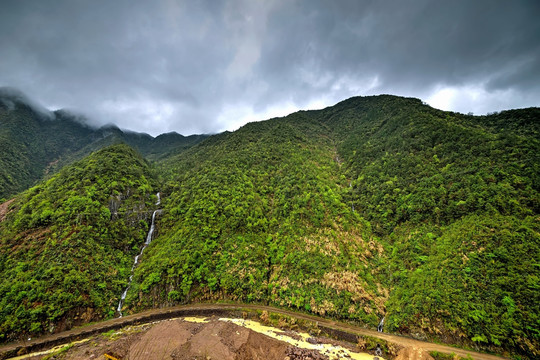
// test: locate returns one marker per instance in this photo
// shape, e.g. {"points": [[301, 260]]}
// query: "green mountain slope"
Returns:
{"points": [[67, 245], [412, 163], [274, 213], [35, 143], [30, 142], [457, 199], [377, 206], [152, 149], [257, 215]]}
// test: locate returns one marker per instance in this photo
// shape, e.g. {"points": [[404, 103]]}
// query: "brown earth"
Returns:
{"points": [[182, 340], [332, 328], [4, 209], [413, 353]]}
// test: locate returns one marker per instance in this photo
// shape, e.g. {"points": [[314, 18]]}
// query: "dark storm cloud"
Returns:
{"points": [[206, 66], [410, 47]]}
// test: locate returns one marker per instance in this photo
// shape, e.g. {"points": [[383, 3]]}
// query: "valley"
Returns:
{"points": [[377, 207]]}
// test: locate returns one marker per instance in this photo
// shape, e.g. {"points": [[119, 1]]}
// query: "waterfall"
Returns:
{"points": [[136, 261], [381, 324], [158, 199], [352, 204]]}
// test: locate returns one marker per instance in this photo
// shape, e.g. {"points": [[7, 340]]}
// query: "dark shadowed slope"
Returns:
{"points": [[35, 143]]}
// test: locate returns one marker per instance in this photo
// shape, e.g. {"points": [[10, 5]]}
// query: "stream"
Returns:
{"points": [[381, 325], [146, 243]]}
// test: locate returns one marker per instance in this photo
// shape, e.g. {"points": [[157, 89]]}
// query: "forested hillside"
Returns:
{"points": [[456, 198], [67, 245], [258, 215], [377, 206], [31, 142]]}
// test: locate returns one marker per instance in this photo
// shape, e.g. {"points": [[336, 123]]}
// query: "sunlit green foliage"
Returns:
{"points": [[67, 246]]}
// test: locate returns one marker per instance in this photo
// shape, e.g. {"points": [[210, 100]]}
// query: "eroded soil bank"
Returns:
{"points": [[201, 338], [393, 347]]}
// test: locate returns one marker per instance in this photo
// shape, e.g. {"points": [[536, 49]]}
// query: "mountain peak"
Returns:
{"points": [[11, 97]]}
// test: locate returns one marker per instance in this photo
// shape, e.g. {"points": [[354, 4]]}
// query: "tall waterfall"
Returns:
{"points": [[146, 243], [381, 325]]}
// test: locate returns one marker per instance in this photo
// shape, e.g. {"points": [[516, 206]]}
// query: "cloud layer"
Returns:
{"points": [[208, 66]]}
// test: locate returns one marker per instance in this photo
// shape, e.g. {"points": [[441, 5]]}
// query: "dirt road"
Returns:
{"points": [[345, 331]]}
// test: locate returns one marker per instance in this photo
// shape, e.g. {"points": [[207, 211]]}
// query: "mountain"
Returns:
{"points": [[258, 215], [67, 244], [376, 207], [35, 142], [456, 199]]}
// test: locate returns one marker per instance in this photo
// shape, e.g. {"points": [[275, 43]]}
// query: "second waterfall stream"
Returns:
{"points": [[146, 243]]}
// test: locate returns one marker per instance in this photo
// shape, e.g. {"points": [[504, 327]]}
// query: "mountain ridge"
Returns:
{"points": [[36, 141]]}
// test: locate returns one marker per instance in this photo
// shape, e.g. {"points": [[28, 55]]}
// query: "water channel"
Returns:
{"points": [[146, 243]]}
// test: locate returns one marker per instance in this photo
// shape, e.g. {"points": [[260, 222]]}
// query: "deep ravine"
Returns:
{"points": [[136, 261]]}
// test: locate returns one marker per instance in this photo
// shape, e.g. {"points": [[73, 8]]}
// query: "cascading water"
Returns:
{"points": [[146, 243], [381, 325], [352, 204]]}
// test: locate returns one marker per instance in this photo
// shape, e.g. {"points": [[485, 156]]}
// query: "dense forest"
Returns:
{"points": [[267, 224], [456, 199], [68, 244], [377, 206]]}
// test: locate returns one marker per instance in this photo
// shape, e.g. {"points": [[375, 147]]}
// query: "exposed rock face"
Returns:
{"points": [[4, 209], [294, 353]]}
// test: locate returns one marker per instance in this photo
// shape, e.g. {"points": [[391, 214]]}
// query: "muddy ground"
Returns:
{"points": [[181, 339], [402, 347]]}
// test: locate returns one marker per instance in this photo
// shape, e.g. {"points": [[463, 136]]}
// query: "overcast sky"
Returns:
{"points": [[208, 66]]}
